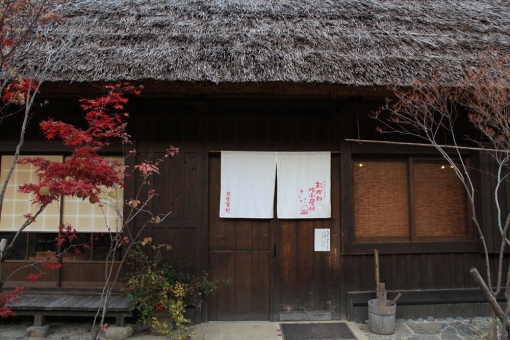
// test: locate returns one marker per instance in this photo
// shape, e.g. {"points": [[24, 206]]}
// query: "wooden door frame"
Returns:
{"points": [[274, 268], [274, 283]]}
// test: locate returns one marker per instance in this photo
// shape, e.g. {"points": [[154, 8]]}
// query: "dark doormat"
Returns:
{"points": [[316, 331]]}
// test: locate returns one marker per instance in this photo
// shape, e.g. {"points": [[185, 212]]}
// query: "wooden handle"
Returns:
{"points": [[396, 299]]}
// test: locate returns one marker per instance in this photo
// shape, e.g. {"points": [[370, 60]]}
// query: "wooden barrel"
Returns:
{"points": [[381, 323]]}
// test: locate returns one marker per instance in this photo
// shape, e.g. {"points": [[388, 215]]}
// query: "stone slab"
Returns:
{"points": [[119, 333], [38, 332], [431, 328]]}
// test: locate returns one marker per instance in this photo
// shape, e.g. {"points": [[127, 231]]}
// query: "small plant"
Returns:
{"points": [[160, 292]]}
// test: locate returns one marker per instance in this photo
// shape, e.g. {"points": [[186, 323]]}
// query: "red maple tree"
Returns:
{"points": [[7, 298], [83, 174]]}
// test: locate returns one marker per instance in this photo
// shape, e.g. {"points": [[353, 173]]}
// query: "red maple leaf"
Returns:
{"points": [[51, 265], [33, 277]]}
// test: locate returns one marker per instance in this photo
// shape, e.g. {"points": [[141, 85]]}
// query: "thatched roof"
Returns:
{"points": [[349, 42]]}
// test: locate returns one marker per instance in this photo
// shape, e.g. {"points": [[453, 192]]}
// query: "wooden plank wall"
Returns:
{"points": [[89, 274], [418, 272], [176, 195], [18, 270]]}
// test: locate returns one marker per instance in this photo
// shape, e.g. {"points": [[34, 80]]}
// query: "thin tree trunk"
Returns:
{"points": [[490, 298], [16, 155], [3, 245]]}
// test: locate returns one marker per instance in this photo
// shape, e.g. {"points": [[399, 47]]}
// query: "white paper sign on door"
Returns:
{"points": [[322, 240]]}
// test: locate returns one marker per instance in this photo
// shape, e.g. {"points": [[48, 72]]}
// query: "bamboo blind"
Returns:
{"points": [[381, 204], [440, 200]]}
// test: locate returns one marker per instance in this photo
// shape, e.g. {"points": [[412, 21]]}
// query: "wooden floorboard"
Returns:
{"points": [[93, 304], [35, 302], [124, 304], [55, 303], [82, 303], [69, 303], [114, 303]]}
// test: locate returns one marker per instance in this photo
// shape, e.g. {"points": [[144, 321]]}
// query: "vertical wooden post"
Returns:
{"points": [[376, 259], [347, 221], [274, 264], [203, 197], [382, 298]]}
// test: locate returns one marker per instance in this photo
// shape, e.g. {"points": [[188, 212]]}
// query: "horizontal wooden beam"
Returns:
{"points": [[273, 146], [276, 89], [429, 145], [219, 151], [428, 247], [69, 291], [425, 297], [401, 149], [68, 313], [49, 147]]}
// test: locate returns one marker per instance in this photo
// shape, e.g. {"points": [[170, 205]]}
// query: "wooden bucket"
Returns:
{"points": [[381, 323]]}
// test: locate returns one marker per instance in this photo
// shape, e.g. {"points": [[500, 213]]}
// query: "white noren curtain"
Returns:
{"points": [[304, 185], [247, 184]]}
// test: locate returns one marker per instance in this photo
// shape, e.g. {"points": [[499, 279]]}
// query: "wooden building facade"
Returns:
{"points": [[274, 272], [282, 76]]}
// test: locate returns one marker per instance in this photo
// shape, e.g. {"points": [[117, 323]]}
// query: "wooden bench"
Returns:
{"points": [[42, 305]]}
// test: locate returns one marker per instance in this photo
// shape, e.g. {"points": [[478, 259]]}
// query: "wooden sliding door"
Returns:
{"points": [[273, 269], [239, 251]]}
